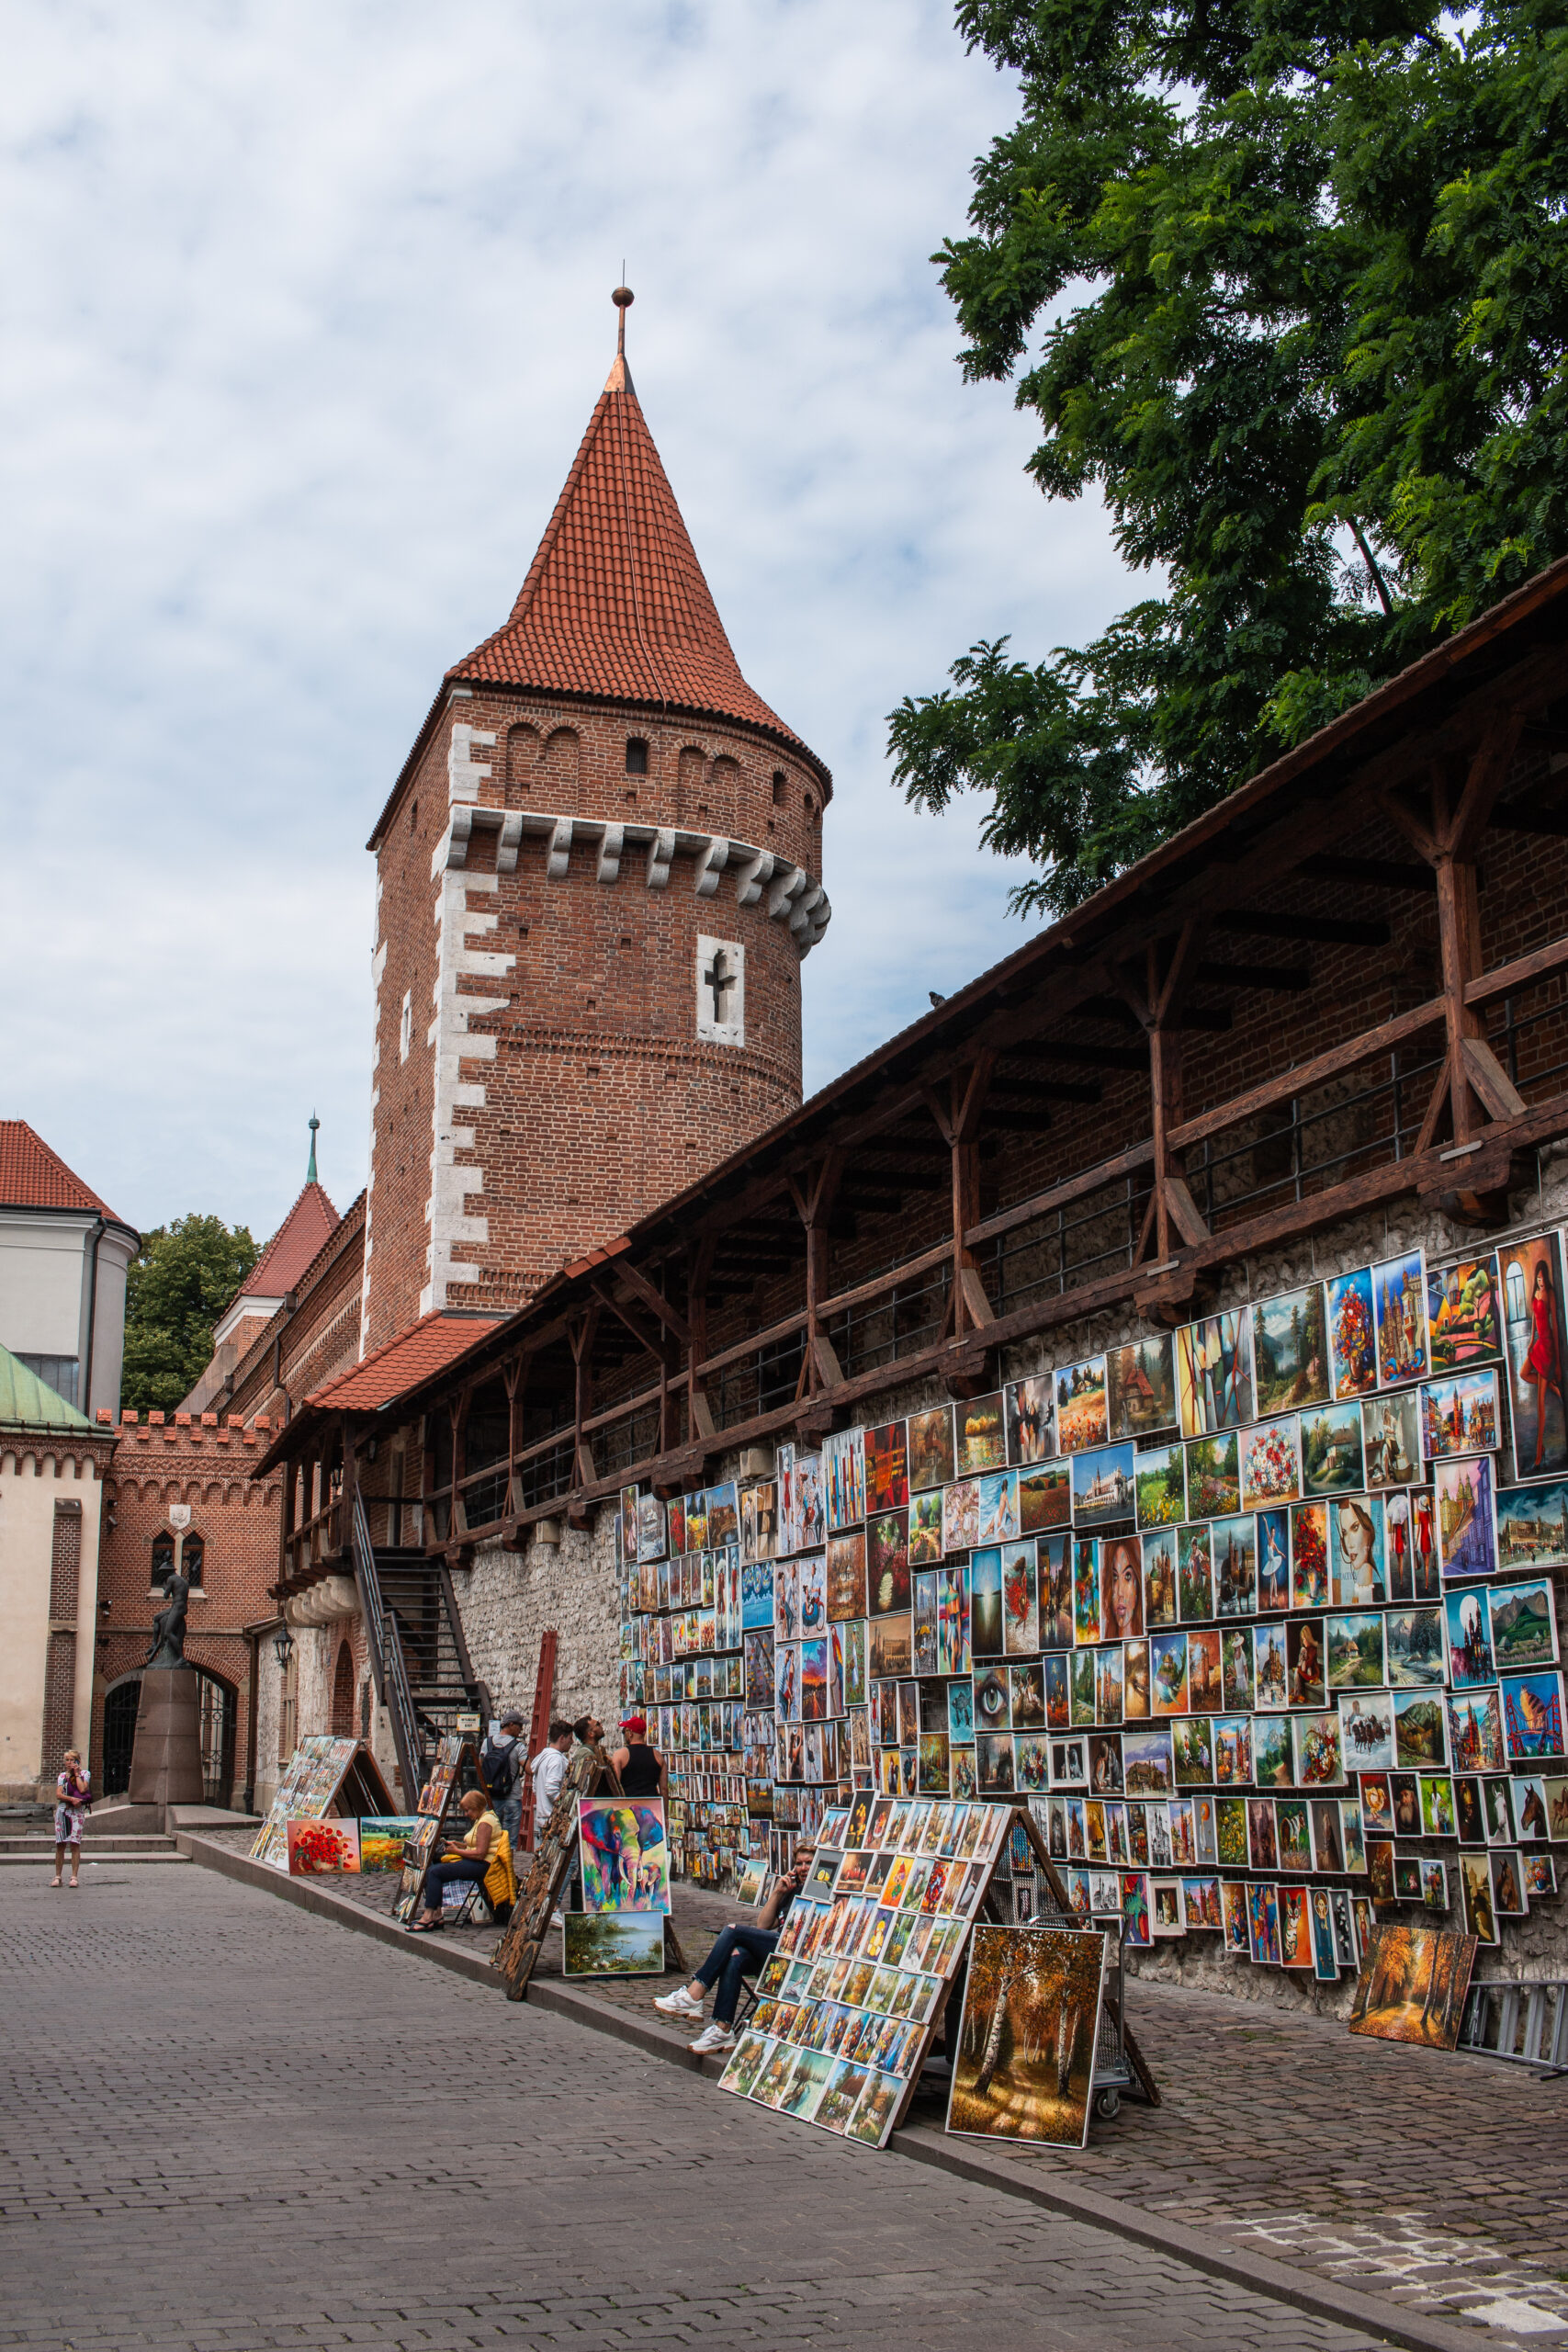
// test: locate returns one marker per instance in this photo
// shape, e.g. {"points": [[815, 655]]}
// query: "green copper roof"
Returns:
{"points": [[26, 1403]]}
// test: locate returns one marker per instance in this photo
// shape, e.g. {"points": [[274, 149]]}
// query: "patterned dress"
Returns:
{"points": [[72, 1798]]}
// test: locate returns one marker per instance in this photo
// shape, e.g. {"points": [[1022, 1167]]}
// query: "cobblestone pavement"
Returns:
{"points": [[229, 2124], [1432, 2180]]}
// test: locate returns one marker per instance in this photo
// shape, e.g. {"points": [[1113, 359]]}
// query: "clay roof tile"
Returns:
{"points": [[615, 602]]}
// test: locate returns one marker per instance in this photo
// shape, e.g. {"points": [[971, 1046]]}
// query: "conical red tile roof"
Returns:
{"points": [[615, 602]]}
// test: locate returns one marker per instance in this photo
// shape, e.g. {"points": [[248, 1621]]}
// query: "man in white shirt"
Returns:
{"points": [[548, 1770]]}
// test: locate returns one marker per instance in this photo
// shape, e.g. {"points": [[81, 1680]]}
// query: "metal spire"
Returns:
{"points": [[310, 1177]]}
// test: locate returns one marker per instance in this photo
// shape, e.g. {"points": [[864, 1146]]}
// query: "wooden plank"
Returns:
{"points": [[1520, 974], [1308, 1074], [1490, 1081], [539, 1894], [652, 1296], [1056, 1196]]}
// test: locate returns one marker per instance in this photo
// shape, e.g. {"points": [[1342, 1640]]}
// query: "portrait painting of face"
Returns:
{"points": [[1120, 1590]]}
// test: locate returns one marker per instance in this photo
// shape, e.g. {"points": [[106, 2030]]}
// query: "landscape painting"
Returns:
{"points": [[1413, 1986], [1024, 2069], [627, 1943], [1290, 1352]]}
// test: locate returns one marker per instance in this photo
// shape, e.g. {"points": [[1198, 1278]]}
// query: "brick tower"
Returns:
{"points": [[597, 877]]}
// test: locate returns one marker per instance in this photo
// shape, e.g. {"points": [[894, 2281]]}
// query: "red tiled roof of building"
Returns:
{"points": [[310, 1223], [33, 1177], [427, 1346], [615, 602]]}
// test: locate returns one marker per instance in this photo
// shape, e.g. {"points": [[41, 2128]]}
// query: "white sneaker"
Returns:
{"points": [[678, 2003], [717, 2039], [556, 1919]]}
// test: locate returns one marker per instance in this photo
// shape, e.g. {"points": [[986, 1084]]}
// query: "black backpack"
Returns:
{"points": [[500, 1766]]}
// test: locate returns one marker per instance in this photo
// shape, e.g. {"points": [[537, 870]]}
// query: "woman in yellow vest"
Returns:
{"points": [[484, 1854]]}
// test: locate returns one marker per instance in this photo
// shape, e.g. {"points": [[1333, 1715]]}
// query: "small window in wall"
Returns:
{"points": [[413, 816], [58, 1373], [163, 1556], [811, 810], [779, 781], [193, 1557], [405, 1026], [636, 755]]}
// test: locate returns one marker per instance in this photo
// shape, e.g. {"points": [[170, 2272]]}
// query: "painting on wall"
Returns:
{"points": [[1530, 1281]]}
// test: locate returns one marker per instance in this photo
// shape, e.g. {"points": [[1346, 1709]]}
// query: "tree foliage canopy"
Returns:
{"points": [[1301, 276], [176, 1287]]}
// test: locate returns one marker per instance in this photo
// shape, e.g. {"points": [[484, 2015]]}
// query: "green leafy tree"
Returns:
{"points": [[1297, 276], [177, 1285]]}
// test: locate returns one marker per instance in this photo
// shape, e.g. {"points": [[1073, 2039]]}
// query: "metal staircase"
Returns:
{"points": [[424, 1677]]}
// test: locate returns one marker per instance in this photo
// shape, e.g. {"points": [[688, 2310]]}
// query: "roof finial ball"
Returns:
{"points": [[623, 299]]}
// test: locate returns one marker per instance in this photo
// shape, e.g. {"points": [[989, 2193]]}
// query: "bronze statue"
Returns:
{"points": [[169, 1623]]}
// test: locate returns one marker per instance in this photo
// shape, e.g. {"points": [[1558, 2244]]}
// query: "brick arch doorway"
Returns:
{"points": [[343, 1691]]}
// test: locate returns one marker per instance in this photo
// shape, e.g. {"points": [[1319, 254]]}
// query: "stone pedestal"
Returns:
{"points": [[166, 1762]]}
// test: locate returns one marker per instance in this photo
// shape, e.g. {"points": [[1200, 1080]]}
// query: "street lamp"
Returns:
{"points": [[283, 1647]]}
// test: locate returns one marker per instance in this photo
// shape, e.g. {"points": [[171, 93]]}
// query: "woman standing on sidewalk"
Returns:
{"points": [[74, 1798]]}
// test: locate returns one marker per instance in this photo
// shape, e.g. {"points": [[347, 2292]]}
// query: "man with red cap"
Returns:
{"points": [[638, 1767]]}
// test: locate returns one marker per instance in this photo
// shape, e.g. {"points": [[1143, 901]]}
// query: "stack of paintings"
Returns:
{"points": [[850, 1997]]}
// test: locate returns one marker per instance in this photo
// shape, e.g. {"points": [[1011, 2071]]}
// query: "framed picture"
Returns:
{"points": [[1530, 1281], [1030, 1419], [1140, 1383], [1082, 1417], [1352, 1346], [1214, 1375], [1458, 1414], [1467, 1527], [1399, 1308], [1270, 1464], [929, 1441], [1290, 1352], [1463, 1323]]}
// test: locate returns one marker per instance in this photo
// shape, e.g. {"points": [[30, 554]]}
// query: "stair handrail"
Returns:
{"points": [[386, 1656]]}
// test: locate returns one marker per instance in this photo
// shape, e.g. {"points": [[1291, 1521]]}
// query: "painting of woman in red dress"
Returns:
{"points": [[1533, 1304]]}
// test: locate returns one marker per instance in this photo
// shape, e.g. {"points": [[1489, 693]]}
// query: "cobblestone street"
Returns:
{"points": [[1428, 2178], [229, 2124]]}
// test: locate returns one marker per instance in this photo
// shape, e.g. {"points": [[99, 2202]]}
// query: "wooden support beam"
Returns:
{"points": [[1331, 930], [653, 1298], [1371, 873], [1283, 979], [959, 1119]]}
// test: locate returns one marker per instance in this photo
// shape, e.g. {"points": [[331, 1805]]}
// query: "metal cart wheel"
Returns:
{"points": [[1108, 2105]]}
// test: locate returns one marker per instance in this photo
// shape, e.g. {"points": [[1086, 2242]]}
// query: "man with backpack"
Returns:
{"points": [[501, 1762]]}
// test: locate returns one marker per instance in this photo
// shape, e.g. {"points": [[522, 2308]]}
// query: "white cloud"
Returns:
{"points": [[307, 312]]}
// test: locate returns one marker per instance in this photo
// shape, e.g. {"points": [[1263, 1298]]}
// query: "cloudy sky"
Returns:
{"points": [[306, 310]]}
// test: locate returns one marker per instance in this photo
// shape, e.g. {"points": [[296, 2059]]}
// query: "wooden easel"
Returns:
{"points": [[989, 1904], [419, 1850]]}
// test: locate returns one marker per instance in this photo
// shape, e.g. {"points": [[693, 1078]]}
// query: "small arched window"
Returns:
{"points": [[193, 1557], [413, 816], [636, 755], [779, 782], [163, 1556]]}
